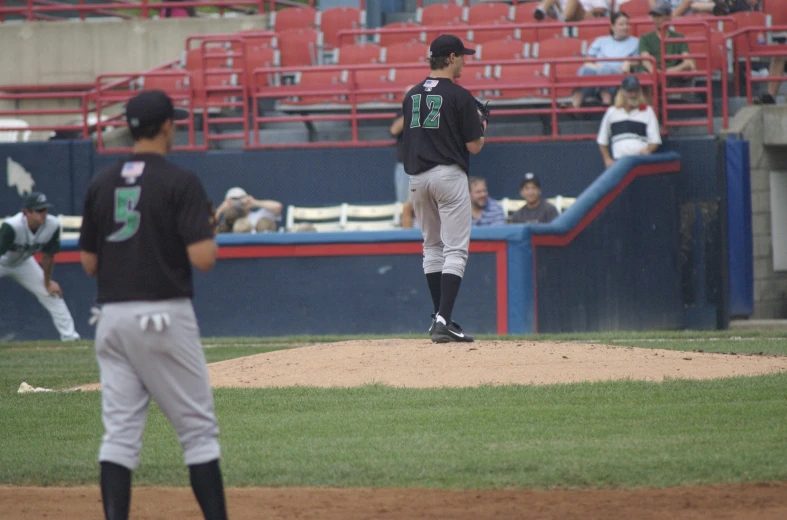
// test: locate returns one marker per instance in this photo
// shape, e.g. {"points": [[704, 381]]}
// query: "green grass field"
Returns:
{"points": [[616, 434]]}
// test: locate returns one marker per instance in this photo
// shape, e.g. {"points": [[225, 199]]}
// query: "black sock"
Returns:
{"points": [[433, 279], [115, 490], [209, 489], [450, 290]]}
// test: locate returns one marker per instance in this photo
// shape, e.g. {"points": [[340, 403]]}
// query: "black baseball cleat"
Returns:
{"points": [[431, 325], [449, 333]]}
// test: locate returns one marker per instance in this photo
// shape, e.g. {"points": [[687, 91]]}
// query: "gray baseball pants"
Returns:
{"points": [[153, 349], [441, 201]]}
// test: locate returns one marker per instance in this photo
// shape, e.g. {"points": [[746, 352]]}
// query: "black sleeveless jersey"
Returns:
{"points": [[440, 117], [139, 217]]}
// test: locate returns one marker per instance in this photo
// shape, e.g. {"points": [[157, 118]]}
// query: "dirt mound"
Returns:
{"points": [[415, 363]]}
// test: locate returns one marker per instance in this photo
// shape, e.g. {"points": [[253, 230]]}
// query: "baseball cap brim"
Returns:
{"points": [[40, 206], [179, 114], [469, 52]]}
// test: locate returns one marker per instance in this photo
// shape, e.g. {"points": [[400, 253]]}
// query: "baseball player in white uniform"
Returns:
{"points": [[28, 232]]}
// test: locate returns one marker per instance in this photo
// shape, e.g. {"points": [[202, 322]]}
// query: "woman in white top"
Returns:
{"points": [[618, 45]]}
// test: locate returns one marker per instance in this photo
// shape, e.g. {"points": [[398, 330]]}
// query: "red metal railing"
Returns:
{"points": [[350, 91], [747, 52]]}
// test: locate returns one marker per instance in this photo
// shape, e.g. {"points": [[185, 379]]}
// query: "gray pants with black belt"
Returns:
{"points": [[441, 201], [153, 349]]}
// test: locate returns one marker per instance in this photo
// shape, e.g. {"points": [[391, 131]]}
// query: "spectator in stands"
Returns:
{"points": [[535, 210], [178, 12], [677, 7], [777, 69], [630, 126], [248, 214], [570, 10], [486, 210], [618, 45], [650, 45]]}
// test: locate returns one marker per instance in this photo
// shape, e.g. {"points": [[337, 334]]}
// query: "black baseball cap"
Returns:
{"points": [[661, 10], [150, 108], [445, 44], [36, 201], [630, 83], [530, 177]]}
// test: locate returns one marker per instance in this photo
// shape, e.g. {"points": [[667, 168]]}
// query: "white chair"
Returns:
{"points": [[12, 129], [69, 226], [373, 217], [329, 218]]}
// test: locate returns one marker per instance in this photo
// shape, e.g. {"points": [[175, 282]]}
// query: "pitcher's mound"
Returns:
{"points": [[423, 364]]}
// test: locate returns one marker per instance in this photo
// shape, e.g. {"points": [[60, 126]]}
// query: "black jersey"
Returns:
{"points": [[440, 117], [139, 217]]}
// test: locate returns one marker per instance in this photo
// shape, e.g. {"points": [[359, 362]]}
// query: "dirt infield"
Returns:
{"points": [[756, 501], [421, 364]]}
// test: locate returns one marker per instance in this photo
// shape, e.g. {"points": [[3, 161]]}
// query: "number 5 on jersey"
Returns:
{"points": [[126, 200], [434, 102]]}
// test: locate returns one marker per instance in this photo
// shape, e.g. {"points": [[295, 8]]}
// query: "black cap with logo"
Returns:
{"points": [[531, 177], [630, 83], [447, 44], [36, 201], [152, 108]]}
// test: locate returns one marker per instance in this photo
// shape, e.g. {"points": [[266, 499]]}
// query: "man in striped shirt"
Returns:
{"points": [[630, 126], [486, 210]]}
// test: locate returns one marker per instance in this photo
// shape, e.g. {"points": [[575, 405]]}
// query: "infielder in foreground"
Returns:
{"points": [[25, 234], [145, 223], [443, 125]]}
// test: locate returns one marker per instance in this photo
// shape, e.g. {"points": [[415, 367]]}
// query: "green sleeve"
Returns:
{"points": [[7, 237], [53, 246]]}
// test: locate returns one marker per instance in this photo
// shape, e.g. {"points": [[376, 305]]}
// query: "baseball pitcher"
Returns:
{"points": [[31, 231]]}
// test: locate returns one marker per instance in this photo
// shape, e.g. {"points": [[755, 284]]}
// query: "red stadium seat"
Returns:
{"points": [[777, 10], [561, 48], [460, 31], [293, 18], [357, 54], [480, 36], [384, 39], [261, 57], [218, 58], [440, 14], [717, 50], [591, 30], [488, 12], [635, 8], [502, 50], [200, 81], [376, 78], [299, 47], [331, 21], [177, 83], [475, 76], [749, 19], [318, 81], [410, 52], [408, 77], [531, 76]]}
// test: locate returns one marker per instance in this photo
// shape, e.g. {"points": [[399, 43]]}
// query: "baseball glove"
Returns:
{"points": [[483, 112]]}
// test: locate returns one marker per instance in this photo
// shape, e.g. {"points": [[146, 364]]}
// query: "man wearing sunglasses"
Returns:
{"points": [[31, 231]]}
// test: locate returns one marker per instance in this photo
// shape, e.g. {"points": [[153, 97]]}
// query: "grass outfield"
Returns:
{"points": [[612, 434]]}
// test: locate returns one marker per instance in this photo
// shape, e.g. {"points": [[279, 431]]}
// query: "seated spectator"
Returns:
{"points": [[778, 68], [650, 45], [248, 214], [677, 7], [630, 125], [618, 45], [486, 210], [535, 210], [570, 10]]}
